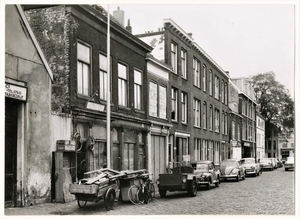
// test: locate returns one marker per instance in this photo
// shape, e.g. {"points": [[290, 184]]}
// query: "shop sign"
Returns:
{"points": [[15, 92], [247, 144], [233, 143], [95, 106]]}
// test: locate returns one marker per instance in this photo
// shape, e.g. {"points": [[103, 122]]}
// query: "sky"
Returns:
{"points": [[244, 39]]}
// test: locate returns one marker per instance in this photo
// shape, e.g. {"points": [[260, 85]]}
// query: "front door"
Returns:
{"points": [[11, 119], [158, 146]]}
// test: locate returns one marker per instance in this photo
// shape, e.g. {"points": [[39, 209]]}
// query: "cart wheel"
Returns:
{"points": [[81, 203], [109, 199]]}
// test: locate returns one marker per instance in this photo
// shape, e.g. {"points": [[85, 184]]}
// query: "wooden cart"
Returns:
{"points": [[100, 185]]}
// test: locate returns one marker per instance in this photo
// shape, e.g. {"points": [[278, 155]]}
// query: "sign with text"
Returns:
{"points": [[15, 92]]}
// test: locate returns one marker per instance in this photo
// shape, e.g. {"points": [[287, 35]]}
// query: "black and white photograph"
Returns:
{"points": [[150, 108]]}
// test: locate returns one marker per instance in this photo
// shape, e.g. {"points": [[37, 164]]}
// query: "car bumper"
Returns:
{"points": [[228, 176], [249, 172]]}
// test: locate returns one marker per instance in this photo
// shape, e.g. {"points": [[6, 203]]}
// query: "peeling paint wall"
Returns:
{"points": [[23, 64]]}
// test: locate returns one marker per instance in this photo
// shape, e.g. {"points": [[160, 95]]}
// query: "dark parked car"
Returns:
{"points": [[206, 173], [266, 163], [232, 169], [181, 178]]}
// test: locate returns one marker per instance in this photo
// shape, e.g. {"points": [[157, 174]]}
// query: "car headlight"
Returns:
{"points": [[234, 171], [184, 180]]}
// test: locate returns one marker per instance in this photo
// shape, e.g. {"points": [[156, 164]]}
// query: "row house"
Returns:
{"points": [[74, 38], [28, 80], [260, 136], [247, 109], [199, 96], [286, 146]]}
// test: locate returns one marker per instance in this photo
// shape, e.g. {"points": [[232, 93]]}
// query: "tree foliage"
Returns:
{"points": [[274, 100]]}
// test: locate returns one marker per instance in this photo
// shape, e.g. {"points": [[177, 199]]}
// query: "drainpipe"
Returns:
{"points": [[108, 91]]}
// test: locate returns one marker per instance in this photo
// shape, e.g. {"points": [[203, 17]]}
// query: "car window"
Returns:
{"points": [[229, 163], [249, 161], [201, 166]]}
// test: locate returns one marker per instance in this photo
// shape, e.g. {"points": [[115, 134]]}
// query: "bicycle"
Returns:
{"points": [[144, 192]]}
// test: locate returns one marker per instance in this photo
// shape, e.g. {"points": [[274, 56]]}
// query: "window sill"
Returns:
{"points": [[175, 121], [139, 111], [184, 123], [82, 96], [197, 127], [124, 108]]}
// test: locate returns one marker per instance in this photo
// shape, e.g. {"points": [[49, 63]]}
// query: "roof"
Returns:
{"points": [[35, 42]]}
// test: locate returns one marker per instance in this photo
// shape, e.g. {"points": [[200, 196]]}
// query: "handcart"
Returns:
{"points": [[97, 185]]}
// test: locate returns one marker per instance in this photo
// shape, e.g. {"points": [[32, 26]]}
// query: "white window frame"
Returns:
{"points": [[197, 112], [204, 77], [184, 107], [217, 87], [210, 82], [123, 86], [174, 99], [204, 115], [196, 71], [138, 83], [83, 69], [162, 99], [183, 55], [174, 57]]}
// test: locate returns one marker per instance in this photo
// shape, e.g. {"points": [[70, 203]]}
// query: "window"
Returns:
{"points": [[83, 69], [162, 102], [243, 131], [196, 69], [223, 123], [137, 90], [204, 150], [174, 97], [217, 120], [210, 81], [122, 84], [238, 132], [197, 119], [197, 147], [204, 78], [153, 99], [174, 57], [211, 118], [233, 130], [217, 92], [204, 115], [183, 64], [103, 87], [183, 107], [223, 92], [226, 124], [226, 93]]}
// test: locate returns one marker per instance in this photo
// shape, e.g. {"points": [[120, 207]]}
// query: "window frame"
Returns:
{"points": [[184, 107], [138, 105], [126, 93], [183, 61], [174, 54], [89, 67]]}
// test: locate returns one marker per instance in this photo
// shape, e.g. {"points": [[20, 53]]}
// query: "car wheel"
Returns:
{"points": [[217, 183], [162, 192], [192, 188]]}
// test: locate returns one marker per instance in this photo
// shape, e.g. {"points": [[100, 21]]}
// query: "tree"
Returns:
{"points": [[274, 101]]}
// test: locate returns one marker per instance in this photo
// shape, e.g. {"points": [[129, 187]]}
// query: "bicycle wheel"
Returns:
{"points": [[109, 199], [132, 194]]}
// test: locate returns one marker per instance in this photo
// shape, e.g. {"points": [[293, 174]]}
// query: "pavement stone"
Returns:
{"points": [[271, 193]]}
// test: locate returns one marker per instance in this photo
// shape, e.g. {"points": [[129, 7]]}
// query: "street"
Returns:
{"points": [[271, 193]]}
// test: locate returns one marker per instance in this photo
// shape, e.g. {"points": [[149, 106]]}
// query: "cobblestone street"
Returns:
{"points": [[272, 193]]}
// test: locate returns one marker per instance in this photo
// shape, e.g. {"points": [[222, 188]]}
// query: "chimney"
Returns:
{"points": [[227, 72], [128, 27], [190, 35], [119, 15]]}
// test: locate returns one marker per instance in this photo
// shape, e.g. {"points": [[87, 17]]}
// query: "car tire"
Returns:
{"points": [[192, 188], [162, 192]]}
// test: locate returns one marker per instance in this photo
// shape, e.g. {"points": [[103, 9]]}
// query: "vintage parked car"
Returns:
{"points": [[252, 167], [274, 160], [206, 173], [266, 163], [232, 169], [289, 163], [181, 178]]}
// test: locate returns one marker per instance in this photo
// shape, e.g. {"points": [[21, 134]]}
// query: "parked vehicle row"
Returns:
{"points": [[205, 173]]}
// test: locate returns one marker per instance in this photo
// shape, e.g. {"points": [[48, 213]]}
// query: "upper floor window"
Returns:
{"points": [[210, 83], [174, 57], [233, 130], [183, 64], [174, 99], [197, 116], [183, 107], [217, 91], [223, 91], [204, 78], [122, 85], [137, 89], [204, 115], [226, 93], [223, 123], [83, 69], [103, 87], [153, 99], [196, 69], [217, 120], [226, 124], [211, 118], [238, 132], [162, 102]]}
